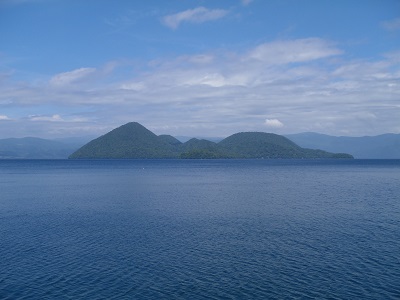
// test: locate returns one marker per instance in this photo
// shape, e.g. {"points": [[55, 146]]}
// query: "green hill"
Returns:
{"points": [[132, 140], [269, 145], [195, 148], [259, 145], [169, 139]]}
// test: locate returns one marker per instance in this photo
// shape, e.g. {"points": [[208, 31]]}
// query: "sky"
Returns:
{"points": [[204, 68]]}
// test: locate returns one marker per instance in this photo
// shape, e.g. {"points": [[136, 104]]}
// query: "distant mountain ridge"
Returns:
{"points": [[385, 146], [133, 140], [33, 148], [37, 148]]}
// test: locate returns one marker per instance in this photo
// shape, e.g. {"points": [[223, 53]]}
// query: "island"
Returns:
{"points": [[134, 141]]}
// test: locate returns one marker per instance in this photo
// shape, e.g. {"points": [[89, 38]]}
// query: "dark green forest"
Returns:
{"points": [[133, 140]]}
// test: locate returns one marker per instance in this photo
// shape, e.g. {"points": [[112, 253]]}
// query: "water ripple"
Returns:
{"points": [[200, 232]]}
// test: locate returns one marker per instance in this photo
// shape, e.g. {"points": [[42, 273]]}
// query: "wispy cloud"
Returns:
{"points": [[57, 118], [4, 118], [273, 86], [196, 15], [70, 77], [293, 51], [246, 2], [392, 25], [53, 118]]}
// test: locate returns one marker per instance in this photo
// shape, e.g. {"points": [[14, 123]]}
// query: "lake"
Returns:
{"points": [[199, 229]]}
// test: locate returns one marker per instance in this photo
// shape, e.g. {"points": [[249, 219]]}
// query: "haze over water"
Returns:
{"points": [[202, 229]]}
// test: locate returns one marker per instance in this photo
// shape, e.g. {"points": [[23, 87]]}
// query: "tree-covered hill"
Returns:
{"points": [[132, 140], [259, 145], [169, 139], [269, 145], [195, 148]]}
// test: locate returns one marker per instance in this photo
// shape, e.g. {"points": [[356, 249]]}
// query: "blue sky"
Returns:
{"points": [[199, 68]]}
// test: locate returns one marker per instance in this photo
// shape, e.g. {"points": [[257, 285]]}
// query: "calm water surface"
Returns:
{"points": [[204, 229]]}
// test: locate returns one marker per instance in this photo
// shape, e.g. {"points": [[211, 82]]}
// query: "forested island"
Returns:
{"points": [[133, 140]]}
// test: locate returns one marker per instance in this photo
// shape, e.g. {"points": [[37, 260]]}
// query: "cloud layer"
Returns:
{"points": [[196, 15], [283, 86]]}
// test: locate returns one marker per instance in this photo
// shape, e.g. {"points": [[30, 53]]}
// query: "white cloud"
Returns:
{"points": [[273, 123], [393, 56], [220, 93], [293, 51], [67, 78], [246, 2], [134, 86], [196, 15], [199, 59], [4, 118], [366, 70], [392, 25], [211, 79], [53, 118]]}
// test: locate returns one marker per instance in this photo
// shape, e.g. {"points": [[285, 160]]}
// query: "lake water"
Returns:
{"points": [[202, 229]]}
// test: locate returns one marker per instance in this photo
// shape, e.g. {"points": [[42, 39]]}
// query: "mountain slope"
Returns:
{"points": [[169, 139], [34, 148], [132, 140], [269, 145], [195, 148], [386, 146], [196, 144]]}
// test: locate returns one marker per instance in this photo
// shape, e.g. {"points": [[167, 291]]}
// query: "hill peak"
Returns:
{"points": [[132, 127], [133, 140]]}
